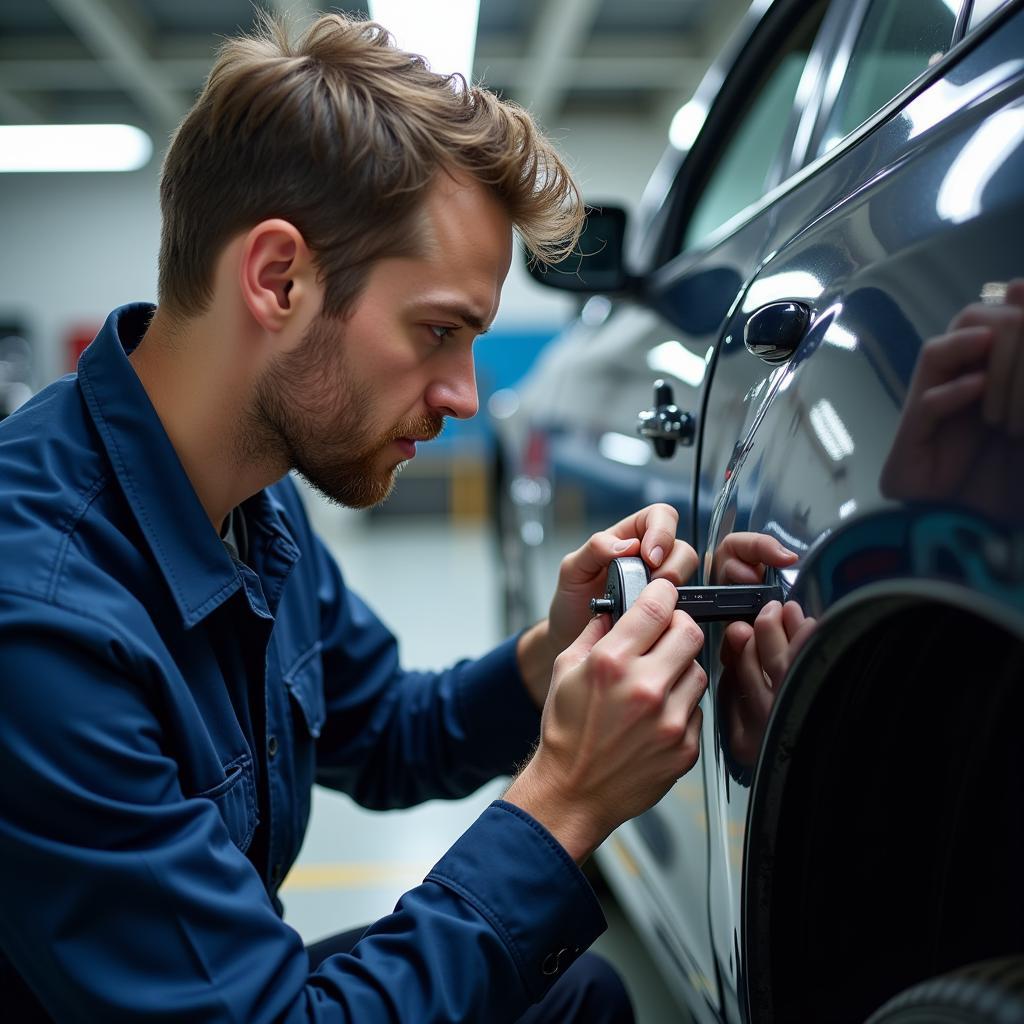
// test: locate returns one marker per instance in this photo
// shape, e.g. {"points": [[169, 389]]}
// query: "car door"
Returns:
{"points": [[743, 148], [910, 214]]}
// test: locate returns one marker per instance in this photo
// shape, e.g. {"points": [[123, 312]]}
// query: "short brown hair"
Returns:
{"points": [[340, 133]]}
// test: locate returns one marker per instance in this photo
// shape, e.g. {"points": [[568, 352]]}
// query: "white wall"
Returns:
{"points": [[74, 246]]}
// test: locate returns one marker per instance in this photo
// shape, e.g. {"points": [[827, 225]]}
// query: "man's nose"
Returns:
{"points": [[453, 393]]}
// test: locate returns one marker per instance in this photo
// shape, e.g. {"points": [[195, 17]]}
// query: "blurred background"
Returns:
{"points": [[603, 77]]}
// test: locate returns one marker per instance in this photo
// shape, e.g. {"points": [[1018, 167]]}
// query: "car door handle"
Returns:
{"points": [[773, 332], [665, 425]]}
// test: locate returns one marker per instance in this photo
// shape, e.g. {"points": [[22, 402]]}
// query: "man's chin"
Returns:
{"points": [[356, 492]]}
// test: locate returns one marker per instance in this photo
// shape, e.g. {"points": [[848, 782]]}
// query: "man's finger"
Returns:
{"points": [[656, 527], [595, 629], [942, 401], [641, 626], [678, 565], [686, 693], [590, 561], [734, 639], [800, 637], [675, 650], [946, 357], [792, 617], [772, 642], [741, 556]]}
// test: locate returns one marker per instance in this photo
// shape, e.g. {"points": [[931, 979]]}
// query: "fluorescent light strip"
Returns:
{"points": [[73, 147], [444, 34]]}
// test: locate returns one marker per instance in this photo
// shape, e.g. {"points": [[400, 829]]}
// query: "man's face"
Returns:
{"points": [[346, 407]]}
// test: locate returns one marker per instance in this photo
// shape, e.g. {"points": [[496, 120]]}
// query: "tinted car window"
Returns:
{"points": [[739, 173], [898, 40]]}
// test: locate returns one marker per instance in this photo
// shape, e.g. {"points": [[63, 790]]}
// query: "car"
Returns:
{"points": [[785, 342]]}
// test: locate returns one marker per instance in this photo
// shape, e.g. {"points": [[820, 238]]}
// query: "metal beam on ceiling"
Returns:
{"points": [[188, 73], [118, 38], [558, 38], [15, 110]]}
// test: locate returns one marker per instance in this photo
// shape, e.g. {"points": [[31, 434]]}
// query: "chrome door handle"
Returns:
{"points": [[773, 332]]}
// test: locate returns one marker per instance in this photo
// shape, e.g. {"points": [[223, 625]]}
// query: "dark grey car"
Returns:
{"points": [[848, 189]]}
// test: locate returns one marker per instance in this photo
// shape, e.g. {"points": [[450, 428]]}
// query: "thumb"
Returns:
{"points": [[596, 628]]}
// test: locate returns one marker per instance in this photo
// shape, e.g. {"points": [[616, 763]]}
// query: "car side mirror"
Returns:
{"points": [[596, 266]]}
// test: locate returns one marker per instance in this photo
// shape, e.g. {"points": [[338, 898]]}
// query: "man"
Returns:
{"points": [[179, 656]]}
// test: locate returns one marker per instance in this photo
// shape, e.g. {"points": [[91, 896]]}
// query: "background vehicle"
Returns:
{"points": [[855, 181]]}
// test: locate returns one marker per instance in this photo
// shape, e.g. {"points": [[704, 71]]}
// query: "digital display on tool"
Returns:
{"points": [[628, 576]]}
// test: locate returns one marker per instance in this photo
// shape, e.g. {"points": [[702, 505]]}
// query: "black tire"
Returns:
{"points": [[991, 992]]}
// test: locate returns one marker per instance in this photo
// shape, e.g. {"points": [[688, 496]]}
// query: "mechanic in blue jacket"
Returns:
{"points": [[179, 655]]}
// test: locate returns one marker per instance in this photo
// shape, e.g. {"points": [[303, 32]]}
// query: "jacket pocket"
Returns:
{"points": [[305, 682], [235, 800]]}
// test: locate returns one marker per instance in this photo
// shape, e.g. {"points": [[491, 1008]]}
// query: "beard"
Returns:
{"points": [[309, 413]]}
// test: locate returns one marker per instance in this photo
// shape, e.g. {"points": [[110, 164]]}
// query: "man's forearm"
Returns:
{"points": [[536, 658]]}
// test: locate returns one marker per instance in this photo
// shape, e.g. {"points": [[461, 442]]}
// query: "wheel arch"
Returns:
{"points": [[886, 817]]}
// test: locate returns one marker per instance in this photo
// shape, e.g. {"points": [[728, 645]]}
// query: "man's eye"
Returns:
{"points": [[441, 332]]}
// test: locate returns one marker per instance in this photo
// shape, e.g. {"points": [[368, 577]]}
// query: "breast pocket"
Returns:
{"points": [[305, 683], [235, 800]]}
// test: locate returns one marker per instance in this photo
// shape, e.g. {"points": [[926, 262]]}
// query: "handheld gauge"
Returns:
{"points": [[628, 576]]}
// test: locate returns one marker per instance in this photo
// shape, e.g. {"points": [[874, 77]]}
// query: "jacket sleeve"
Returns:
{"points": [[393, 737], [126, 900]]}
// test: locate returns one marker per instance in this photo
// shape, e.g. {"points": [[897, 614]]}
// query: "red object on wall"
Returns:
{"points": [[78, 340]]}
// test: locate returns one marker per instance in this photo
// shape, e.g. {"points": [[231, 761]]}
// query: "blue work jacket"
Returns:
{"points": [[165, 710]]}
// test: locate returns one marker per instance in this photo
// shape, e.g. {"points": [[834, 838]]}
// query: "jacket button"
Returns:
{"points": [[272, 746], [552, 963]]}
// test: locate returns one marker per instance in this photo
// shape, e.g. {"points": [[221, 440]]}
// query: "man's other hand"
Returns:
{"points": [[649, 533]]}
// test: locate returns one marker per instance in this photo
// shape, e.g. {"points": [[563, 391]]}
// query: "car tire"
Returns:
{"points": [[991, 992]]}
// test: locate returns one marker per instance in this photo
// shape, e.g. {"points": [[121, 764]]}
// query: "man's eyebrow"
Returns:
{"points": [[457, 311]]}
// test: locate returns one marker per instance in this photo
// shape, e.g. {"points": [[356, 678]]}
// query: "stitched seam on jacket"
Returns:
{"points": [[492, 916], [128, 640], [68, 525], [549, 840], [126, 481]]}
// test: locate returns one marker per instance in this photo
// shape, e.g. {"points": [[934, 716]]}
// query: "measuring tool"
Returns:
{"points": [[628, 576]]}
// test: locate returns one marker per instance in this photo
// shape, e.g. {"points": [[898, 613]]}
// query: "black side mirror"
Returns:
{"points": [[596, 265]]}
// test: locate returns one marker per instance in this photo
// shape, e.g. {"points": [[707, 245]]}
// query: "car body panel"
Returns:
{"points": [[884, 239]]}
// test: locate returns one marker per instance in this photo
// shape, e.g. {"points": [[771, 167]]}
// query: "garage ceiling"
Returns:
{"points": [[143, 61]]}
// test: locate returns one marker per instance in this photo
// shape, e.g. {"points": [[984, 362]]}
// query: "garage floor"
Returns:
{"points": [[431, 583]]}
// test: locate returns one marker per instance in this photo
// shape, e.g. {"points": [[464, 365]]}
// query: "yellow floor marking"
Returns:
{"points": [[352, 876]]}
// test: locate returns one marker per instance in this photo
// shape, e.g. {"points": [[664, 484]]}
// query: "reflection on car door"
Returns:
{"points": [[691, 297], [905, 227]]}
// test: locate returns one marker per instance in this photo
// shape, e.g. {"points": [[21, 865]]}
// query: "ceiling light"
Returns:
{"points": [[444, 34], [73, 147]]}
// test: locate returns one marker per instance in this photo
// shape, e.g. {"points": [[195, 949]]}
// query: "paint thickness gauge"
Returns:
{"points": [[627, 577]]}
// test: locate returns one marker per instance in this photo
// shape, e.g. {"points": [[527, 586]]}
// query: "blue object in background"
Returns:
{"points": [[502, 359]]}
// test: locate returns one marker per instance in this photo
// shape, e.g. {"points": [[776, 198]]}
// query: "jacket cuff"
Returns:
{"points": [[496, 708], [521, 880]]}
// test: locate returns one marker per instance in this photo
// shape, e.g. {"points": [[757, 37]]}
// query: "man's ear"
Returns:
{"points": [[277, 275]]}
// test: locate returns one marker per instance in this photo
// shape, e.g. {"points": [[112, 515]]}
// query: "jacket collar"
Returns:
{"points": [[192, 558]]}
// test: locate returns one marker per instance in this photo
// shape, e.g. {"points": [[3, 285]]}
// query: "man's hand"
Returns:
{"points": [[743, 557], [621, 723], [651, 533], [755, 660]]}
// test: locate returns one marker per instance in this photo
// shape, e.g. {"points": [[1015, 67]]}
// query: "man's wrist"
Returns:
{"points": [[536, 658], [570, 825]]}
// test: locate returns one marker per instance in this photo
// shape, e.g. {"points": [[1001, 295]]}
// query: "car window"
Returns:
{"points": [[898, 40], [982, 9], [738, 174]]}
